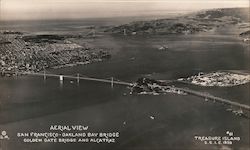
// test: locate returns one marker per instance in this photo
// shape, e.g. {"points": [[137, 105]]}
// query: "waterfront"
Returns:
{"points": [[27, 103]]}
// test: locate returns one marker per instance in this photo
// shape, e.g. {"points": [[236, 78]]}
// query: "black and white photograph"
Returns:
{"points": [[124, 75]]}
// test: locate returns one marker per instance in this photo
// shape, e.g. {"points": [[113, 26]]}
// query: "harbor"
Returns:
{"points": [[120, 75]]}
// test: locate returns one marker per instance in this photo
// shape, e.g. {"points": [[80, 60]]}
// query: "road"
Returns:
{"points": [[218, 99], [112, 82]]}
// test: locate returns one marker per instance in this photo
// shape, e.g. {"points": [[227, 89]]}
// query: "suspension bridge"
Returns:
{"points": [[112, 81], [76, 77]]}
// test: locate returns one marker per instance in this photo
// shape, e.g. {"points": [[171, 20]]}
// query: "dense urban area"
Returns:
{"points": [[33, 53]]}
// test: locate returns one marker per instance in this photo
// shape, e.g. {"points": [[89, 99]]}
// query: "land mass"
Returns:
{"points": [[245, 36], [26, 52], [192, 23], [33, 53]]}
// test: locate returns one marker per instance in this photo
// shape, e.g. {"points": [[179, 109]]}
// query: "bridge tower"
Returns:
{"points": [[61, 78], [124, 32], [112, 82], [78, 78], [93, 32], [61, 81], [44, 75]]}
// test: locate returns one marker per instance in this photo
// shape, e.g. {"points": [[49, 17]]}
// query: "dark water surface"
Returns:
{"points": [[30, 104]]}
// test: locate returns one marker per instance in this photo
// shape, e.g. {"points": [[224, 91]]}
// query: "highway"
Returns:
{"points": [[73, 77], [112, 82], [211, 97]]}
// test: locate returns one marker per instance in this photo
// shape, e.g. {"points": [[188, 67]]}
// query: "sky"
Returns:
{"points": [[63, 9]]}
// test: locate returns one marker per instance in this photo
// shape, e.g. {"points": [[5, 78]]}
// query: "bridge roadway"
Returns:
{"points": [[80, 78], [188, 91], [211, 97]]}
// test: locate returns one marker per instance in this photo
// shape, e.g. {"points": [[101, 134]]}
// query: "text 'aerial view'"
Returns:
{"points": [[124, 75]]}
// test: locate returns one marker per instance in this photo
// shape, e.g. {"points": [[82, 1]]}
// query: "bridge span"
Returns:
{"points": [[77, 77], [112, 82], [214, 98], [83, 78]]}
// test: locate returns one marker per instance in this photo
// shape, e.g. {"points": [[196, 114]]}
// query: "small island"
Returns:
{"points": [[153, 87], [219, 78]]}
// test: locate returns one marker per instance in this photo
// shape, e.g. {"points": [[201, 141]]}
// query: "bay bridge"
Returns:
{"points": [[77, 77], [112, 81], [208, 96]]}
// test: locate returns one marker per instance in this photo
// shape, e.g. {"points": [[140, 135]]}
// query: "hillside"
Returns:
{"points": [[192, 23], [235, 14], [245, 34]]}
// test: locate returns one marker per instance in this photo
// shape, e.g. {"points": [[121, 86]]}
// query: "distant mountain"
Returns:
{"points": [[240, 14], [196, 22]]}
